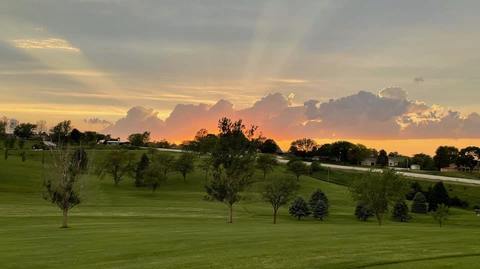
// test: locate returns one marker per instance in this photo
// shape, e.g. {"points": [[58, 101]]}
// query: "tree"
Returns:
{"points": [[269, 146], [59, 132], [3, 128], [415, 187], [440, 215], [266, 163], [363, 212], [154, 176], [299, 209], [116, 164], [206, 165], [466, 158], [315, 167], [233, 162], [142, 165], [185, 164], [62, 183], [320, 211], [379, 191], [80, 157], [444, 156], [425, 161], [317, 196], [298, 168], [24, 130], [303, 147], [139, 139], [400, 211], [382, 159], [165, 162], [419, 204], [21, 146], [279, 192], [9, 144], [76, 136], [437, 195]]}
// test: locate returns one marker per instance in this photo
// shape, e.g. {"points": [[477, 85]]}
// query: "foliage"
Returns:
{"points": [[379, 191], [415, 187], [317, 196], [382, 159], [437, 195], [165, 162], [117, 164], [444, 156], [60, 132], [61, 184], [419, 204], [3, 127], [76, 136], [301, 147], [315, 167], [142, 165], [269, 146], [425, 161], [299, 209], [440, 215], [400, 212], [185, 164], [320, 210], [363, 212], [24, 130], [139, 139], [298, 168], [279, 192], [153, 175], [266, 163], [233, 161], [80, 157]]}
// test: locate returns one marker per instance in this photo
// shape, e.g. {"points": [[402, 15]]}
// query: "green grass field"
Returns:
{"points": [[128, 227]]}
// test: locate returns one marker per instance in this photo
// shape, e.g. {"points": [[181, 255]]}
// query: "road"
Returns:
{"points": [[407, 174]]}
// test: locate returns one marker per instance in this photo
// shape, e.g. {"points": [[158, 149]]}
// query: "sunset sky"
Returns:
{"points": [[402, 75]]}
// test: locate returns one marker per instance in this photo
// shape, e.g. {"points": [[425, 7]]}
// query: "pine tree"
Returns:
{"points": [[142, 165], [320, 211], [400, 212], [317, 196], [438, 195], [299, 209], [362, 212], [419, 204]]}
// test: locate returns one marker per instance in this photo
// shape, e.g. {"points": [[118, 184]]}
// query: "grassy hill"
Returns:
{"points": [[128, 227]]}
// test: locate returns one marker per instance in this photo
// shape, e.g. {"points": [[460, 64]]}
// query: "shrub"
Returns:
{"points": [[363, 212], [419, 204], [299, 209], [315, 167], [400, 212]]}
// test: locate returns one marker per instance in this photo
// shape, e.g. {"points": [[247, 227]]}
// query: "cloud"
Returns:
{"points": [[393, 93], [365, 115], [97, 121], [48, 43], [418, 79]]}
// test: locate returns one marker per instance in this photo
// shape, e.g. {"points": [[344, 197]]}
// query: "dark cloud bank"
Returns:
{"points": [[365, 115]]}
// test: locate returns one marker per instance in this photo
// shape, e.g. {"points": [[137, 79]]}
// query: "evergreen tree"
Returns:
{"points": [[438, 195], [320, 211], [363, 212], [400, 212], [317, 196], [142, 165], [299, 209], [419, 204]]}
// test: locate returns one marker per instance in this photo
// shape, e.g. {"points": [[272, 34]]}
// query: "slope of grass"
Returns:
{"points": [[128, 227]]}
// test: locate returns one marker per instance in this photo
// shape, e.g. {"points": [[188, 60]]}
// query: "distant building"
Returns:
{"points": [[369, 162], [451, 168], [415, 167]]}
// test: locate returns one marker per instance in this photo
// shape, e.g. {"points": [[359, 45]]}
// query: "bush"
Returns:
{"points": [[317, 196], [419, 204], [457, 202], [320, 211], [437, 195], [299, 209], [363, 212], [400, 212], [315, 167]]}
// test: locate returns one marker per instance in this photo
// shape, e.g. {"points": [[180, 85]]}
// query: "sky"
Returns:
{"points": [[386, 73]]}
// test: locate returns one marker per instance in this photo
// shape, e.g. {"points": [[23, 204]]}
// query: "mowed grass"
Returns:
{"points": [[128, 227]]}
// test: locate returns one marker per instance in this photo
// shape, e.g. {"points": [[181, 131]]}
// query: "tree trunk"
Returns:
{"points": [[275, 215], [184, 177], [230, 213], [65, 218], [379, 219]]}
